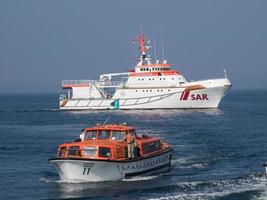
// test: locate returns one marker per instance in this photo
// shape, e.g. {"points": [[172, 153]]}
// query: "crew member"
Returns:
{"points": [[82, 135], [130, 138]]}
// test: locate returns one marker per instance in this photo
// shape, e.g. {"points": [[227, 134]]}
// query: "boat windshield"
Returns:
{"points": [[117, 135], [103, 135], [90, 135]]}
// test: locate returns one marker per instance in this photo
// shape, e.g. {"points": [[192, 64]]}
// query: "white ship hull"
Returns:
{"points": [[209, 96], [96, 171]]}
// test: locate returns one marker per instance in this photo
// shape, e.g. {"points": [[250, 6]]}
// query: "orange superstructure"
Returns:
{"points": [[107, 142]]}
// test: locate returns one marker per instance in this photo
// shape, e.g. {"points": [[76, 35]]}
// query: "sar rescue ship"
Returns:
{"points": [[149, 86], [103, 154]]}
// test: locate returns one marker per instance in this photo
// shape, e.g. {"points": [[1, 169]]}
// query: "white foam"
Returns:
{"points": [[218, 189], [140, 178]]}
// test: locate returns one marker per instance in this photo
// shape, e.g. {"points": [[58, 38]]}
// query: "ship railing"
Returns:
{"points": [[110, 83], [66, 83]]}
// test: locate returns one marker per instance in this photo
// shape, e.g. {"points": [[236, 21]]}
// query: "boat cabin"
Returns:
{"points": [[108, 142]]}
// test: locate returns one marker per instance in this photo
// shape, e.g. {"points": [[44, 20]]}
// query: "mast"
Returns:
{"points": [[143, 48]]}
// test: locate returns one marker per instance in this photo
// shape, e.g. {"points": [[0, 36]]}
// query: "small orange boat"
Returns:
{"points": [[104, 153]]}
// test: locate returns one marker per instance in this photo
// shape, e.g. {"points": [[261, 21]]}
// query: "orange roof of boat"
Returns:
{"points": [[118, 127]]}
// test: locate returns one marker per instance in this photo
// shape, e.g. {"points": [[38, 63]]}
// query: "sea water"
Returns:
{"points": [[218, 153]]}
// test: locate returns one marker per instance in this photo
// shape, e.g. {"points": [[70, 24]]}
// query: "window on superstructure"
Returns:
{"points": [[103, 135], [74, 151], [90, 135], [117, 135], [147, 69], [61, 152], [151, 147], [104, 152], [89, 151]]}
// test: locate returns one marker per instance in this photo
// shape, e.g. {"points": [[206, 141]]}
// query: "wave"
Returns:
{"points": [[50, 180], [140, 178], [187, 163], [213, 189]]}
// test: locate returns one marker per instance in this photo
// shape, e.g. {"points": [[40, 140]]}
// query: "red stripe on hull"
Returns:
{"points": [[186, 95]]}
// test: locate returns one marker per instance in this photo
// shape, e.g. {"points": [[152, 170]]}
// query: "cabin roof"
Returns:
{"points": [[117, 127]]}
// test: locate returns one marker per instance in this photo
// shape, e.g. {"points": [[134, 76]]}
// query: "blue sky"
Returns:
{"points": [[44, 42]]}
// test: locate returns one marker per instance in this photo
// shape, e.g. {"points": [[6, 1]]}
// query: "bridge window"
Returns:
{"points": [[117, 135], [103, 135], [104, 152], [90, 135]]}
